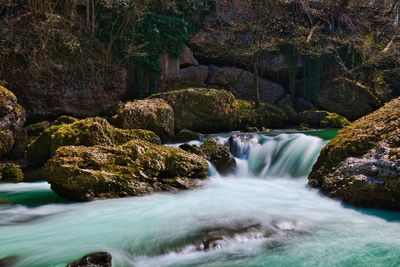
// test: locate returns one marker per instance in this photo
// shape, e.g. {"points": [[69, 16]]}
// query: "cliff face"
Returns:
{"points": [[54, 69], [57, 61]]}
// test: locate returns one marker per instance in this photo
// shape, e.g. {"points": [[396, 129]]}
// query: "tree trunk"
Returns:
{"points": [[256, 81]]}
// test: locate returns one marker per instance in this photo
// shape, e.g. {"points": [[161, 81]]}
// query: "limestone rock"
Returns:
{"points": [[87, 132], [12, 119], [266, 115], [150, 114], [362, 164], [322, 119], [346, 98], [202, 110], [219, 155], [134, 169], [241, 82]]}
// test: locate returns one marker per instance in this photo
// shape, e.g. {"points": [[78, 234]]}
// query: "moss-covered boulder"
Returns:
{"points": [[12, 119], [322, 119], [150, 114], [265, 116], [12, 174], [219, 155], [362, 164], [87, 132], [133, 169], [202, 110]]}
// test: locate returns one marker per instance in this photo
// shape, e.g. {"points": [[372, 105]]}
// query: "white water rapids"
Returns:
{"points": [[268, 190]]}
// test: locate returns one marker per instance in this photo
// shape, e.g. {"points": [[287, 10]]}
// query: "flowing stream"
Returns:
{"points": [[262, 215]]}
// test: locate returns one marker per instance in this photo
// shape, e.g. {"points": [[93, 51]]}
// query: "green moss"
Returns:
{"points": [[64, 120], [264, 116], [12, 174], [334, 121]]}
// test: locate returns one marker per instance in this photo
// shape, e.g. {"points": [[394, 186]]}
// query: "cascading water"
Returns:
{"points": [[262, 215]]}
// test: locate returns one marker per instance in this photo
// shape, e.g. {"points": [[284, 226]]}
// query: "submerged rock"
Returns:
{"points": [[150, 114], [87, 132], [97, 259], [362, 164], [202, 110], [219, 155], [322, 119], [12, 119], [134, 169]]}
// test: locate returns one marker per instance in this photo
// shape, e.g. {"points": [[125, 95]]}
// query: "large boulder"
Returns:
{"points": [[322, 119], [362, 164], [347, 98], [202, 110], [87, 132], [264, 116], [12, 119], [242, 82], [134, 169], [194, 76], [150, 114], [219, 155]]}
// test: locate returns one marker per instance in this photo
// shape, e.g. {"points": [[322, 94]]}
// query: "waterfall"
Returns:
{"points": [[284, 155]]}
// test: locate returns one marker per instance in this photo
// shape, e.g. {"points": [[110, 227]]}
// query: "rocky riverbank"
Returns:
{"points": [[362, 164]]}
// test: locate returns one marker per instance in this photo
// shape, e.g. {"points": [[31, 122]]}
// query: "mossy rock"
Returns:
{"points": [[266, 115], [37, 128], [12, 119], [322, 119], [361, 164], [150, 114], [12, 174], [219, 155], [202, 110], [87, 132], [135, 168]]}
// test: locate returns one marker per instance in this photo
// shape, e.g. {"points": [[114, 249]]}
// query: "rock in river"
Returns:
{"points": [[362, 164], [133, 169]]}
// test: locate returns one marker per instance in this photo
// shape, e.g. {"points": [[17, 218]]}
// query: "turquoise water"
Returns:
{"points": [[269, 188]]}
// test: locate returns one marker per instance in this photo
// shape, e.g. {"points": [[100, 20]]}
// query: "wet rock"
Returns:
{"points": [[186, 135], [12, 174], [241, 82], [97, 259], [202, 110], [322, 119], [135, 168], [219, 155], [87, 132], [192, 149], [12, 119], [361, 165], [8, 261], [150, 114]]}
